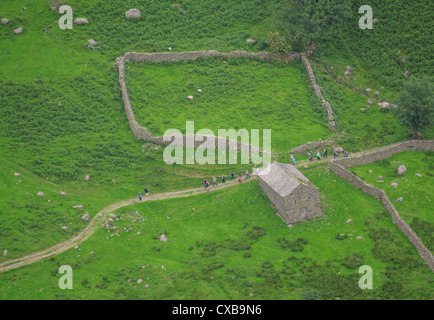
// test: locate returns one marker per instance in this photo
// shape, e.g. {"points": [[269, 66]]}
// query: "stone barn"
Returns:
{"points": [[294, 196]]}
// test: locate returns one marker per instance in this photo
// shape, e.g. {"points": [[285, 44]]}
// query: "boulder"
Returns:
{"points": [[164, 238], [349, 220], [62, 193], [250, 40], [65, 228], [190, 97], [87, 177], [18, 30], [400, 199], [40, 194], [92, 42], [17, 174], [80, 206], [394, 184], [133, 13], [139, 281], [380, 177], [199, 90], [377, 93], [402, 169], [384, 104], [80, 21], [419, 175], [5, 21], [85, 217]]}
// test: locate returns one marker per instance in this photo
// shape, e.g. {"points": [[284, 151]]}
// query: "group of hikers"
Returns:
{"points": [[336, 152], [223, 178]]}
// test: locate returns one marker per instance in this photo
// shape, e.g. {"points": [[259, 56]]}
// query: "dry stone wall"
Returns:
{"points": [[386, 152], [339, 167], [318, 92]]}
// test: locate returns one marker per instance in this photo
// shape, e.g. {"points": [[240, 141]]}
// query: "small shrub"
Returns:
{"points": [[353, 261]]}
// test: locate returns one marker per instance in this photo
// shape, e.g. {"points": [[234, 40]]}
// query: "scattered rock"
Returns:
{"points": [[85, 217], [80, 206], [380, 177], [87, 177], [370, 171], [402, 169], [394, 184], [199, 90], [164, 238], [403, 60], [40, 11], [113, 215], [76, 247], [359, 237], [146, 285], [41, 194], [80, 21], [133, 13], [384, 104], [368, 90], [5, 253], [419, 175], [92, 42], [16, 174], [250, 40], [139, 281], [377, 93], [349, 220], [369, 102], [65, 228], [362, 109], [62, 193], [375, 20], [400, 199], [169, 48], [18, 30], [54, 9], [406, 73], [190, 97], [163, 267], [348, 69], [5, 21]]}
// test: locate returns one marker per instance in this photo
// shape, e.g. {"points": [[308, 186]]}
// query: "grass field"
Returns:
{"points": [[417, 207], [236, 93], [230, 245]]}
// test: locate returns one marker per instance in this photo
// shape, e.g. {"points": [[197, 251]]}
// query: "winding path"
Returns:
{"points": [[100, 218]]}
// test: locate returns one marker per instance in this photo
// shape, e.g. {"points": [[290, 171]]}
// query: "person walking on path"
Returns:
{"points": [[239, 178], [223, 179], [291, 157], [318, 155], [214, 182], [256, 169], [140, 196], [310, 156], [232, 176], [247, 174], [293, 160], [204, 183], [325, 153], [146, 191]]}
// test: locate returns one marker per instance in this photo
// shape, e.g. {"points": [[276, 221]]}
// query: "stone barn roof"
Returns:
{"points": [[283, 178]]}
